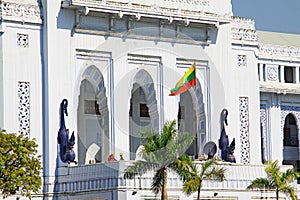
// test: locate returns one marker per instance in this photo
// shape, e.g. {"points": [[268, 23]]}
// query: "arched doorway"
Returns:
{"points": [[191, 118], [93, 121], [290, 141], [187, 121], [143, 114]]}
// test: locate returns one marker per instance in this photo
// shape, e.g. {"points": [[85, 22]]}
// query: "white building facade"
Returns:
{"points": [[116, 61]]}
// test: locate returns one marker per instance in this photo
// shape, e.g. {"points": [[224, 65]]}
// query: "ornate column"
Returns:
{"points": [[263, 121], [298, 131], [261, 71], [281, 74], [297, 75]]}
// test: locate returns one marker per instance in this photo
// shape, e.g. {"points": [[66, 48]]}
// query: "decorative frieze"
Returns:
{"points": [[243, 29], [244, 34], [22, 11], [279, 52]]}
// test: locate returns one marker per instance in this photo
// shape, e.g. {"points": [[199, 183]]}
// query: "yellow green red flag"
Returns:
{"points": [[186, 82]]}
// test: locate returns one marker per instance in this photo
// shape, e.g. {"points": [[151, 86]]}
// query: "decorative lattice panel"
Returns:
{"points": [[242, 60], [22, 40], [24, 107], [244, 130]]}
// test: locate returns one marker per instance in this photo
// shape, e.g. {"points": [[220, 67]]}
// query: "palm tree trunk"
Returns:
{"points": [[198, 196], [164, 195]]}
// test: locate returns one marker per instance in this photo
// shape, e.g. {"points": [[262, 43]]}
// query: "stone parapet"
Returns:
{"points": [[109, 177], [243, 31]]}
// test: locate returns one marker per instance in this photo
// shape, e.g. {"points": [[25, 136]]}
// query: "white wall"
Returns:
{"points": [[22, 64], [224, 81]]}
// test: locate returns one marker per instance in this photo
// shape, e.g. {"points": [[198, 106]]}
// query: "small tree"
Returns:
{"points": [[20, 167], [276, 180], [162, 152], [208, 171]]}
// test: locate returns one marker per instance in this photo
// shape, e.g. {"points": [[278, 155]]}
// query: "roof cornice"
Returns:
{"points": [[142, 9]]}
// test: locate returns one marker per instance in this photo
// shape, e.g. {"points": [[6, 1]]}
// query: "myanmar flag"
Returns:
{"points": [[185, 83]]}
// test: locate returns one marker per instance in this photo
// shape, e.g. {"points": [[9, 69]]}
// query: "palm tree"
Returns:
{"points": [[208, 171], [276, 180], [162, 152]]}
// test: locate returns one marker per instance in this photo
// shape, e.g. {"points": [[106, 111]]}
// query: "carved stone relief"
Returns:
{"points": [[243, 29], [244, 34], [280, 52], [23, 11], [272, 72]]}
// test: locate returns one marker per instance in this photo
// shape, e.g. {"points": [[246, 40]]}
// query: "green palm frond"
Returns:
{"points": [[169, 153], [205, 167], [161, 152], [289, 175], [216, 173], [276, 180], [261, 183], [273, 167], [207, 171], [163, 156], [183, 142], [191, 186], [139, 167], [150, 140], [182, 166], [157, 182], [153, 141], [289, 190], [168, 132]]}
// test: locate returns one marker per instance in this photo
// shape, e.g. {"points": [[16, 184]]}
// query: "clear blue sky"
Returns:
{"points": [[270, 15]]}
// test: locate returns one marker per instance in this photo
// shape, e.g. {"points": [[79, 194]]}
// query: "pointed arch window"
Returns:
{"points": [[290, 132], [91, 107], [144, 111]]}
